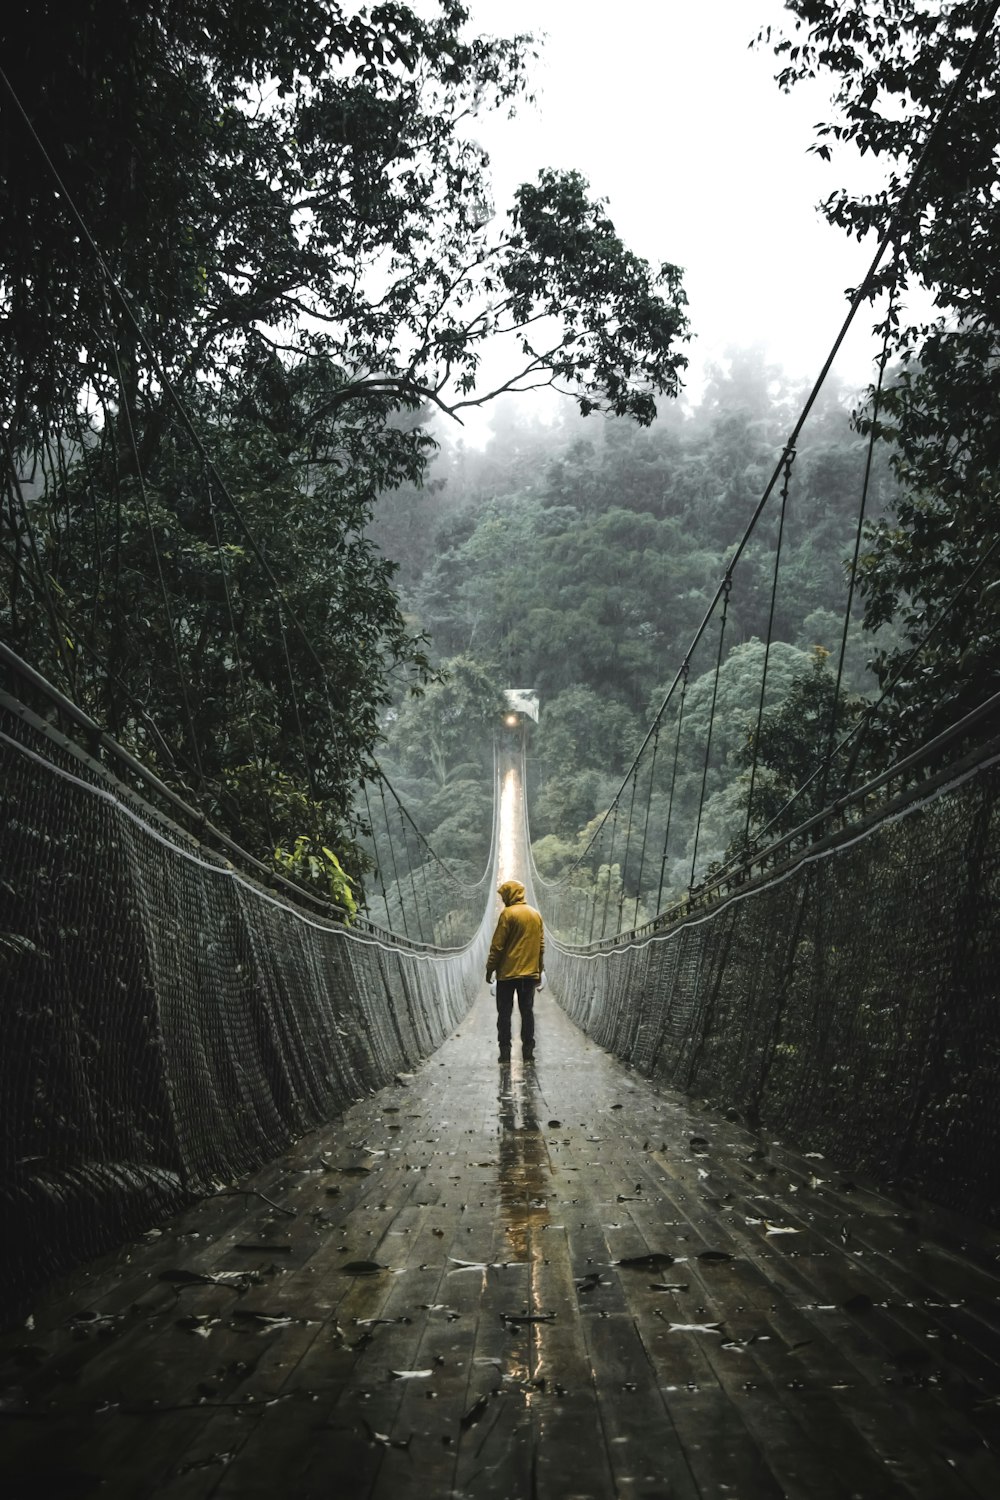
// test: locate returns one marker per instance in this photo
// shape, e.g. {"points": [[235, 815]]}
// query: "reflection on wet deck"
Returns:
{"points": [[547, 1281]]}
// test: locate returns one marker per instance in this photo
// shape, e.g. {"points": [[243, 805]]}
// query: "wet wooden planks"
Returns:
{"points": [[796, 1335]]}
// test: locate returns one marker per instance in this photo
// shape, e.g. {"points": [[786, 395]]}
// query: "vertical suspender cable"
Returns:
{"points": [[611, 856], [789, 460], [685, 671], [645, 826], [859, 530], [378, 861], [395, 867], [628, 844], [727, 589]]}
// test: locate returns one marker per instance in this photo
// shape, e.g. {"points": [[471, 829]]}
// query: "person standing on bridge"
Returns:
{"points": [[515, 956]]}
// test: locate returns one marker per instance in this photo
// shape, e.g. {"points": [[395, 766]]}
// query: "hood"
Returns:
{"points": [[511, 892]]}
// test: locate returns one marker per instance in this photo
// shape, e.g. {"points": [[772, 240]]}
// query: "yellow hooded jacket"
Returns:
{"points": [[518, 946]]}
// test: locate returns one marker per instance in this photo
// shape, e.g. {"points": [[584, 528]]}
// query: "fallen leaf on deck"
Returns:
{"points": [[266, 1320], [363, 1268], [475, 1411], [383, 1438], [714, 1255], [652, 1262], [177, 1276], [410, 1374], [199, 1323]]}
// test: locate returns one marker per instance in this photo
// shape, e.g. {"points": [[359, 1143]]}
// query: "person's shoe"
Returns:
{"points": [[504, 1055], [528, 1053]]}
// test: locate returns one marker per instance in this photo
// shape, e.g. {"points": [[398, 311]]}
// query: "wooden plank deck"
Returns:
{"points": [[794, 1335]]}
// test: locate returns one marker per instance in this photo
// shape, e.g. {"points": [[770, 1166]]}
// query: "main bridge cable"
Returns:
{"points": [[861, 295]]}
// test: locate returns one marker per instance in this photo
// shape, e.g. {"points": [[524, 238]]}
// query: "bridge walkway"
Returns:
{"points": [[547, 1280]]}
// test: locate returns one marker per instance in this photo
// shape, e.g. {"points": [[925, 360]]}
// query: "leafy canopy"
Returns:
{"points": [[301, 179], [892, 63]]}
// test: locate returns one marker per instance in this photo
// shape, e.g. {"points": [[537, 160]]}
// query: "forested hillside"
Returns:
{"points": [[578, 557]]}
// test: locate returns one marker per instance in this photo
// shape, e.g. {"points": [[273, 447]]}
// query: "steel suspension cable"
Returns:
{"points": [[673, 783], [392, 855], [409, 867], [628, 843], [789, 459], [378, 862], [611, 857], [711, 726], [862, 508], [645, 826]]}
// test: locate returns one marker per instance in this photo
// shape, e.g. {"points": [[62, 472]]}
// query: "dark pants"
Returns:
{"points": [[525, 990]]}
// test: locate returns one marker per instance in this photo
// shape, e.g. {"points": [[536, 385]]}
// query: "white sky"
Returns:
{"points": [[662, 105]]}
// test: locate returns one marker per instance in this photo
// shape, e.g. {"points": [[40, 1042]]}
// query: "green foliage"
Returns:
{"points": [[318, 867], [283, 727], [300, 180], [618, 334], [450, 724], [794, 735], [583, 558], [891, 63]]}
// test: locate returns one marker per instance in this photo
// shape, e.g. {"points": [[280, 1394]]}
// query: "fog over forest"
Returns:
{"points": [[578, 557]]}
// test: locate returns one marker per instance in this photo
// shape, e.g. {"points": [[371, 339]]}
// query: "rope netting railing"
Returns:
{"points": [[849, 999], [170, 1022]]}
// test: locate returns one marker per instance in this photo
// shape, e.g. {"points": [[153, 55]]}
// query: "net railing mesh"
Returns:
{"points": [[849, 1003], [168, 1024]]}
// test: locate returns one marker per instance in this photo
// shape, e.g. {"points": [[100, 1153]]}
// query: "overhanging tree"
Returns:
{"points": [[271, 234], [936, 560]]}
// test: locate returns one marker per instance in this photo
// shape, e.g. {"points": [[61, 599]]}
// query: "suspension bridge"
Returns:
{"points": [[566, 1277], [277, 1220]]}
